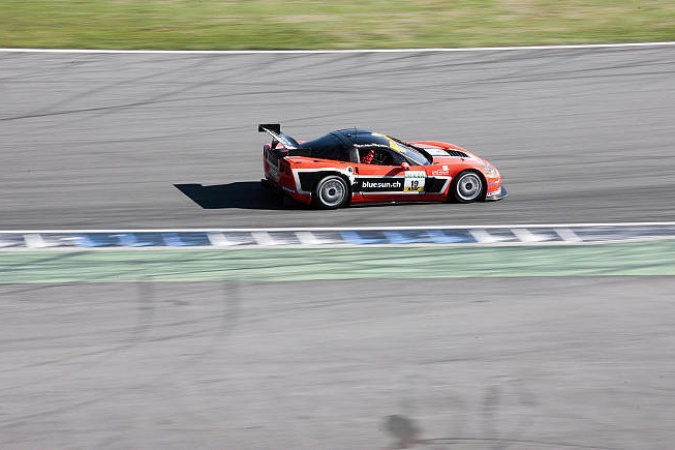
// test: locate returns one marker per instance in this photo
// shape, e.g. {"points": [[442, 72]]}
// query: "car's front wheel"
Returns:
{"points": [[331, 192], [467, 187]]}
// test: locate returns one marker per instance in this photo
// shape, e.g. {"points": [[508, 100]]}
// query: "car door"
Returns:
{"points": [[384, 174]]}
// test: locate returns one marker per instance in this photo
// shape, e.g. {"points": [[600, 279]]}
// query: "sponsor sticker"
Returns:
{"points": [[380, 184], [413, 181]]}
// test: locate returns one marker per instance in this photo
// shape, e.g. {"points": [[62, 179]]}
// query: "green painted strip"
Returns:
{"points": [[271, 264]]}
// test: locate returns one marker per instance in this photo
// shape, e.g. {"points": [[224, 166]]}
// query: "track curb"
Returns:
{"points": [[518, 235]]}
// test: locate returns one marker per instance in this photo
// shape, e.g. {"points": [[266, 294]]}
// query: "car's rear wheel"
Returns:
{"points": [[467, 187], [331, 192]]}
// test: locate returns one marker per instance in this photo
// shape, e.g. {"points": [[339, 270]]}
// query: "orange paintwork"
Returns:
{"points": [[443, 168]]}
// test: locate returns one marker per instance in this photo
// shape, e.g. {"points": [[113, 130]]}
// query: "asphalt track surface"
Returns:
{"points": [[101, 141], [570, 363]]}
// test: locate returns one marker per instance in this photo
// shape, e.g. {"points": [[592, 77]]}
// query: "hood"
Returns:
{"points": [[442, 154]]}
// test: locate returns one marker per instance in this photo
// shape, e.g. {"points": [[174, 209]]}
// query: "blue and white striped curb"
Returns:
{"points": [[506, 235]]}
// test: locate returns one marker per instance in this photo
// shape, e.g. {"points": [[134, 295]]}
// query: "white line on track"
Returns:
{"points": [[384, 228], [312, 52]]}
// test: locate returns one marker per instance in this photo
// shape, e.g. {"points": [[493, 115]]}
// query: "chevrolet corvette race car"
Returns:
{"points": [[355, 166]]}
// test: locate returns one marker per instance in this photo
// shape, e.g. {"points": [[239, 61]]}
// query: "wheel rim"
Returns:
{"points": [[469, 187], [332, 192]]}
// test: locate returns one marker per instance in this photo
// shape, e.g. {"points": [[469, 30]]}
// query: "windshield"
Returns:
{"points": [[412, 153]]}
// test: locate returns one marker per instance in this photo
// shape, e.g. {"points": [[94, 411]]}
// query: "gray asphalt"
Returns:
{"points": [[557, 363], [101, 140]]}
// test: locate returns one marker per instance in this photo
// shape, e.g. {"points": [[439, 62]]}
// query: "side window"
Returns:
{"points": [[366, 155], [378, 156], [396, 158]]}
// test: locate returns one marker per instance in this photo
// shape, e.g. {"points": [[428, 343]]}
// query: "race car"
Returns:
{"points": [[356, 166]]}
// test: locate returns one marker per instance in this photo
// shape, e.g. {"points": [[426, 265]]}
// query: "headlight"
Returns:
{"points": [[491, 171]]}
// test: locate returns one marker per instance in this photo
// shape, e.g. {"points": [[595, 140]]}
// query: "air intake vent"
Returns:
{"points": [[457, 153]]}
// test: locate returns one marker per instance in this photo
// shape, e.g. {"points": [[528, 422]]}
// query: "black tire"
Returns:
{"points": [[468, 186], [331, 192]]}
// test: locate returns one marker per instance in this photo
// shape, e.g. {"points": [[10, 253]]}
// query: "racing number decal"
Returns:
{"points": [[414, 181], [412, 186]]}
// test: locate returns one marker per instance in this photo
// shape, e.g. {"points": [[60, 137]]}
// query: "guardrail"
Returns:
{"points": [[312, 237]]}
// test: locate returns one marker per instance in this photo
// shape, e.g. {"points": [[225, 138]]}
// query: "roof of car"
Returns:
{"points": [[360, 136], [347, 138]]}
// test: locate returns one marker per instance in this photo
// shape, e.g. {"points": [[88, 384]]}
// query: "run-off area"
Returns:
{"points": [[513, 363]]}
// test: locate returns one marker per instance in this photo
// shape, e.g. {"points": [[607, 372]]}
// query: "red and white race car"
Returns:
{"points": [[355, 166]]}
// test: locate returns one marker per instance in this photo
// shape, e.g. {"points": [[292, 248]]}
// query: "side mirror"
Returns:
{"points": [[405, 165]]}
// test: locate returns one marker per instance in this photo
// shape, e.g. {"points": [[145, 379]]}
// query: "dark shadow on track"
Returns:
{"points": [[241, 195], [251, 195]]}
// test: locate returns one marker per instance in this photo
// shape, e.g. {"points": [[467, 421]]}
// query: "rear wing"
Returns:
{"points": [[274, 130]]}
